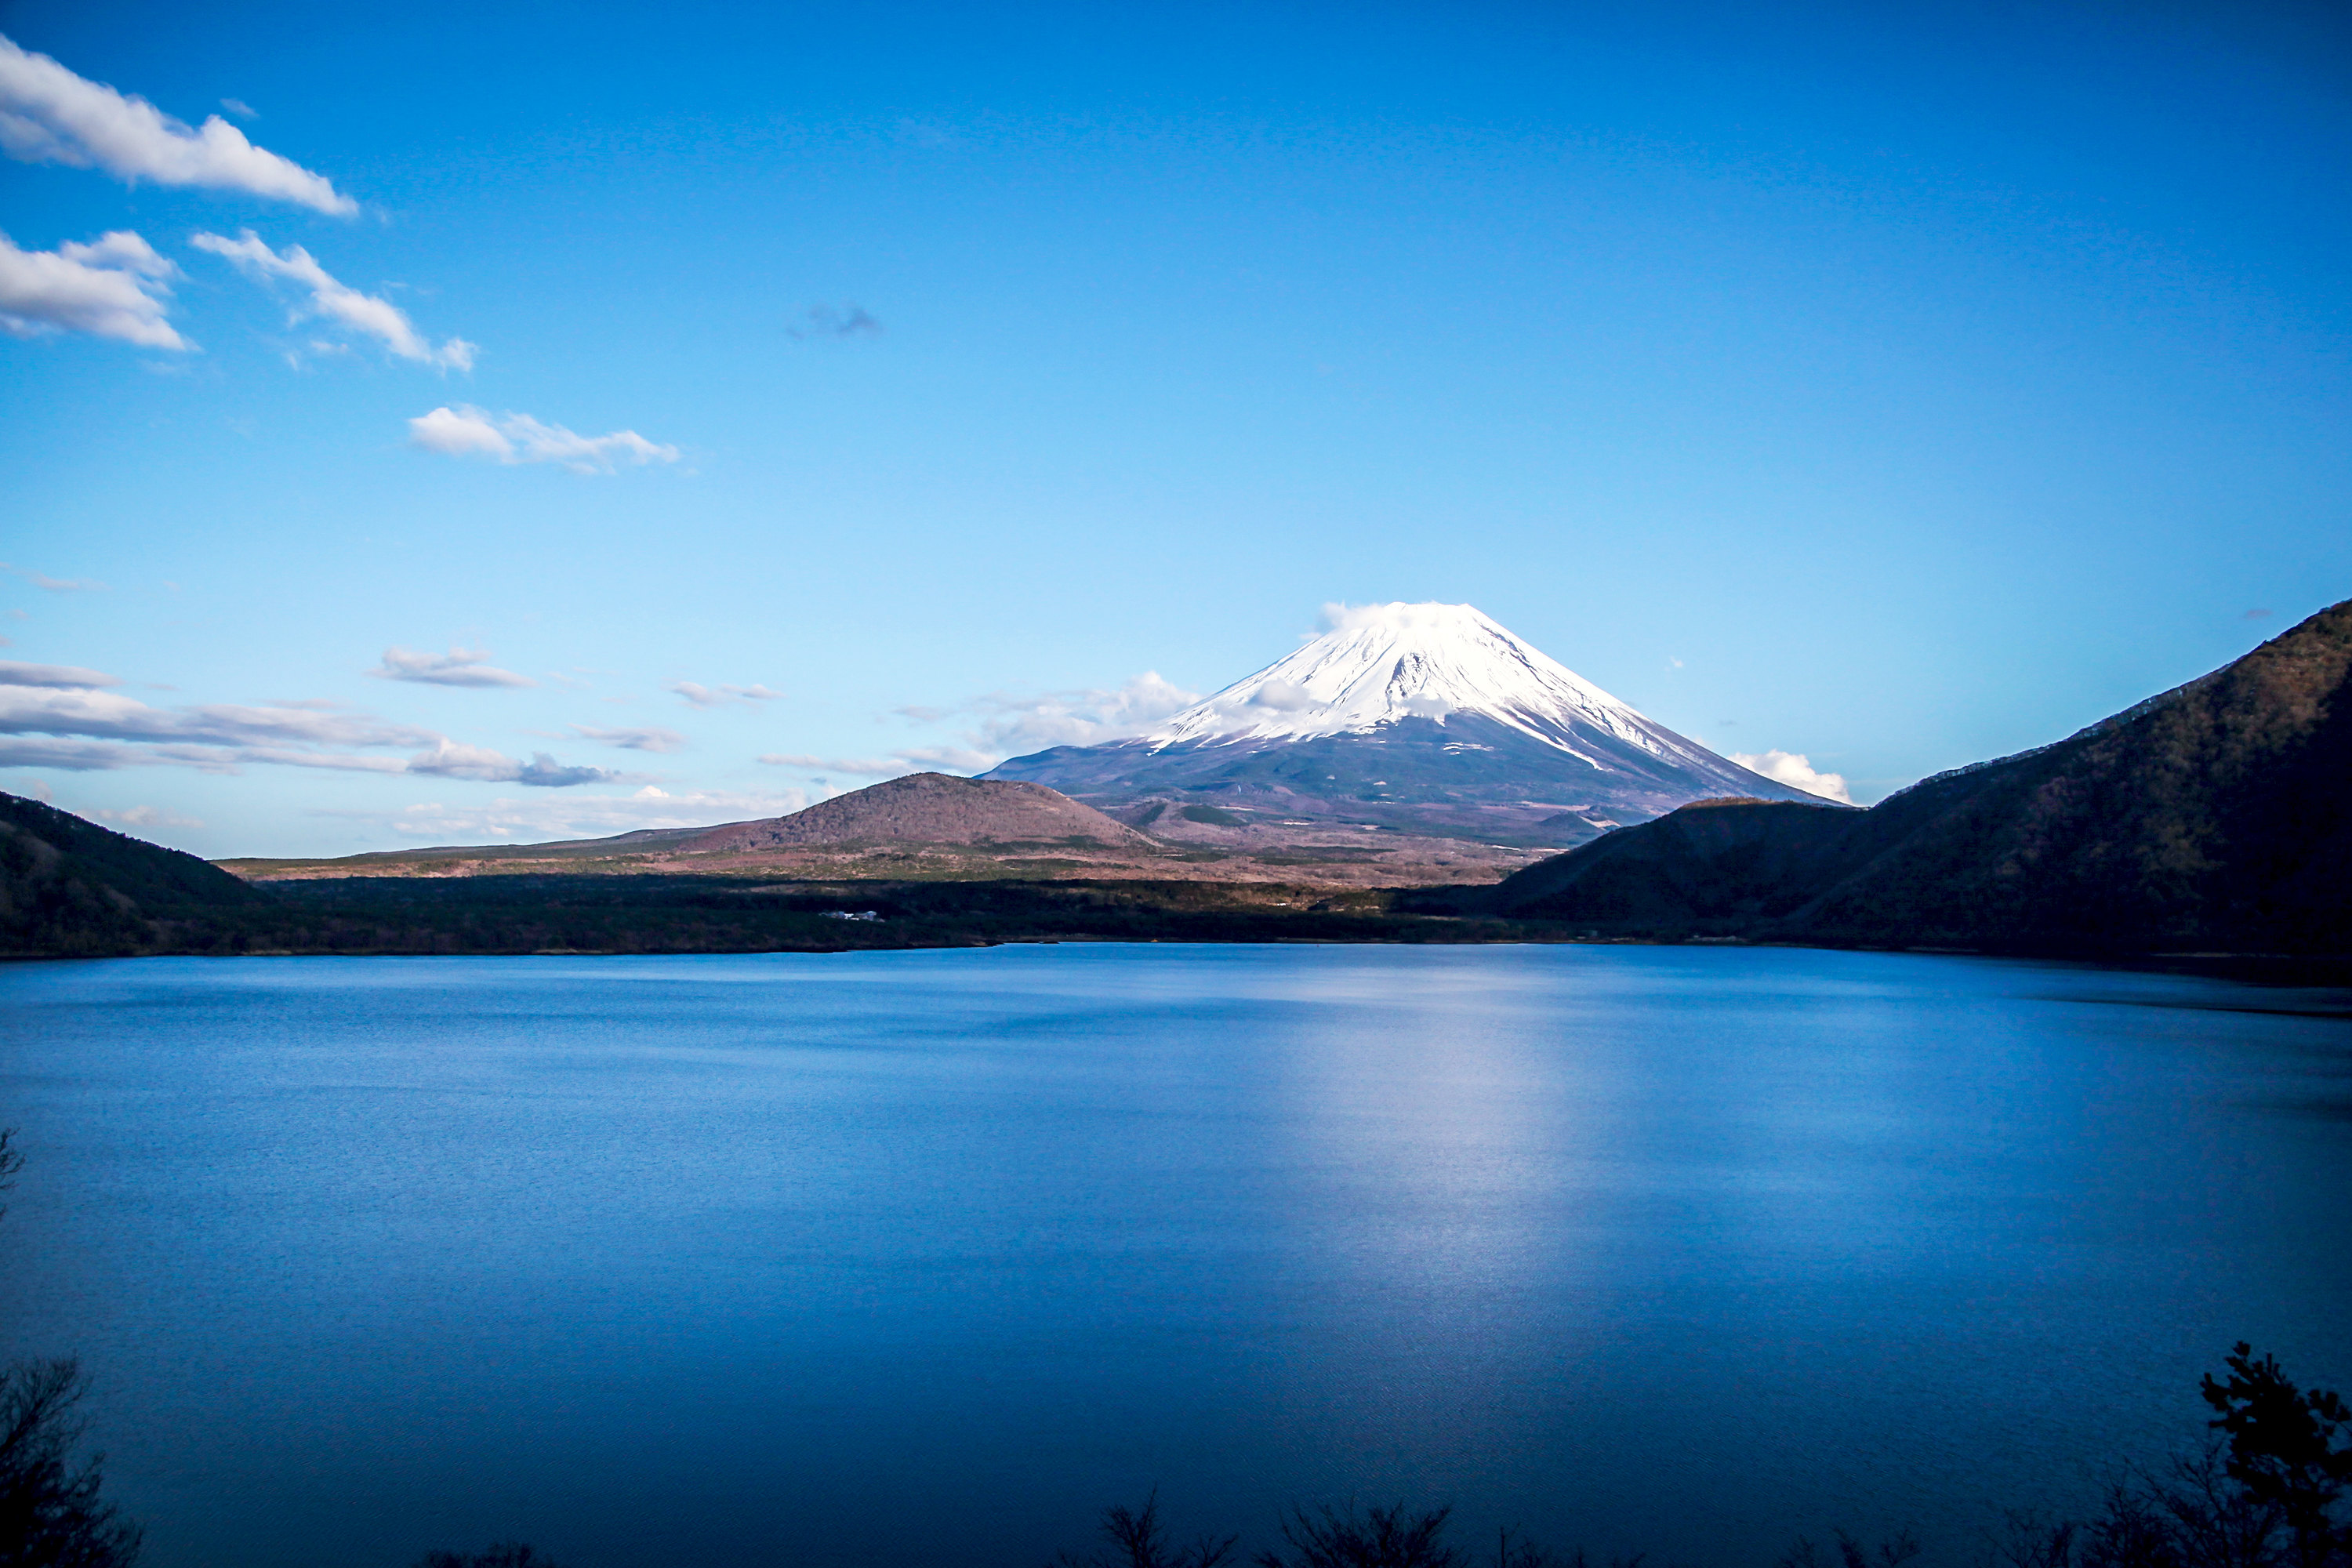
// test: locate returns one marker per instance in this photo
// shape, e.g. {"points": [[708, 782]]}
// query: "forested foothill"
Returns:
{"points": [[2214, 816]]}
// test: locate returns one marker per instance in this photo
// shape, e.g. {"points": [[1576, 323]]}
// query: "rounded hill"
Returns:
{"points": [[930, 808]]}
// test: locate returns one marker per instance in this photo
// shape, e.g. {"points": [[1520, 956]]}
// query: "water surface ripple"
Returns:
{"points": [[899, 1259]]}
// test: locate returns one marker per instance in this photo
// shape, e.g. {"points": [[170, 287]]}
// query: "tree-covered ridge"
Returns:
{"points": [[2215, 816], [68, 887]]}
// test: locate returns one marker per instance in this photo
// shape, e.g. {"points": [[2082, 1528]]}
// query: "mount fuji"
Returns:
{"points": [[1428, 718]]}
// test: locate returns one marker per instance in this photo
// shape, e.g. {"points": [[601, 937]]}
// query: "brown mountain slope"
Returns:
{"points": [[929, 808], [2215, 816]]}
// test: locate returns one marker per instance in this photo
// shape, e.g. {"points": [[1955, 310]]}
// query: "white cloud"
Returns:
{"points": [[52, 717], [465, 431], [112, 288], [452, 760], [50, 115], [1013, 726], [338, 301], [101, 714], [145, 816], [863, 767], [53, 675], [652, 739], [1000, 725], [1282, 696], [458, 667], [456, 434], [77, 756], [912, 760], [1341, 617], [241, 109], [1793, 769], [579, 816], [701, 696]]}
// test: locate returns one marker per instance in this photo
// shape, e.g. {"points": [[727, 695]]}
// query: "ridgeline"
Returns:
{"points": [[2213, 820]]}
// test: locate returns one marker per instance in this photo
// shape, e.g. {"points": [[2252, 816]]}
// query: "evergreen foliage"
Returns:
{"points": [[51, 1515]]}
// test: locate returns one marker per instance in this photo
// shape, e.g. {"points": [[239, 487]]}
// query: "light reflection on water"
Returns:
{"points": [[835, 1259]]}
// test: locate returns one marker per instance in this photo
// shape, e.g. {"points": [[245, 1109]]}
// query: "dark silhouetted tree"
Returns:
{"points": [[1525, 1553], [1366, 1538], [2029, 1539], [1138, 1540], [504, 1554], [50, 1513], [1893, 1552], [2287, 1447], [2190, 1515]]}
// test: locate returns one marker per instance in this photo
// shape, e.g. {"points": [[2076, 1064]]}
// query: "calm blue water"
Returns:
{"points": [[922, 1258]]}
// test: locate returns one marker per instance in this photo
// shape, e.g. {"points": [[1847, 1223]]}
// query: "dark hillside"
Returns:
{"points": [[67, 885], [1714, 866], [2215, 816]]}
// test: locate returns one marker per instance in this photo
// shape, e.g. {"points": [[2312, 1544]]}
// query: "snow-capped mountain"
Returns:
{"points": [[1424, 717]]}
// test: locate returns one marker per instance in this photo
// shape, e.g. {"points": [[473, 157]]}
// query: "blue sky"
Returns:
{"points": [[866, 388]]}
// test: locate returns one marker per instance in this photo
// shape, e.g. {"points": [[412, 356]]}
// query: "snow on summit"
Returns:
{"points": [[1423, 719], [1382, 663]]}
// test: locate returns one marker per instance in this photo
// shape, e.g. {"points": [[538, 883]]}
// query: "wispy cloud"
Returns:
{"points": [[1004, 725], [100, 713], [458, 667], [50, 115], [465, 431], [843, 321], [1795, 769], [241, 109], [863, 767], [64, 676], [700, 695], [1000, 725], [53, 585], [60, 716], [452, 760], [338, 301], [651, 738], [143, 817], [115, 287], [911, 760], [577, 816]]}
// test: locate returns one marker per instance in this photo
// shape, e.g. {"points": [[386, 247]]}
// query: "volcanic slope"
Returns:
{"points": [[2214, 816], [931, 808], [1428, 718], [917, 812], [936, 826]]}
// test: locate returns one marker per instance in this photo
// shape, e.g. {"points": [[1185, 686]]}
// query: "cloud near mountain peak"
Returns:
{"points": [[1795, 769]]}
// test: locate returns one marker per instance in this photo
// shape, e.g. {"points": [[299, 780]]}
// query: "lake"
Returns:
{"points": [[923, 1258]]}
